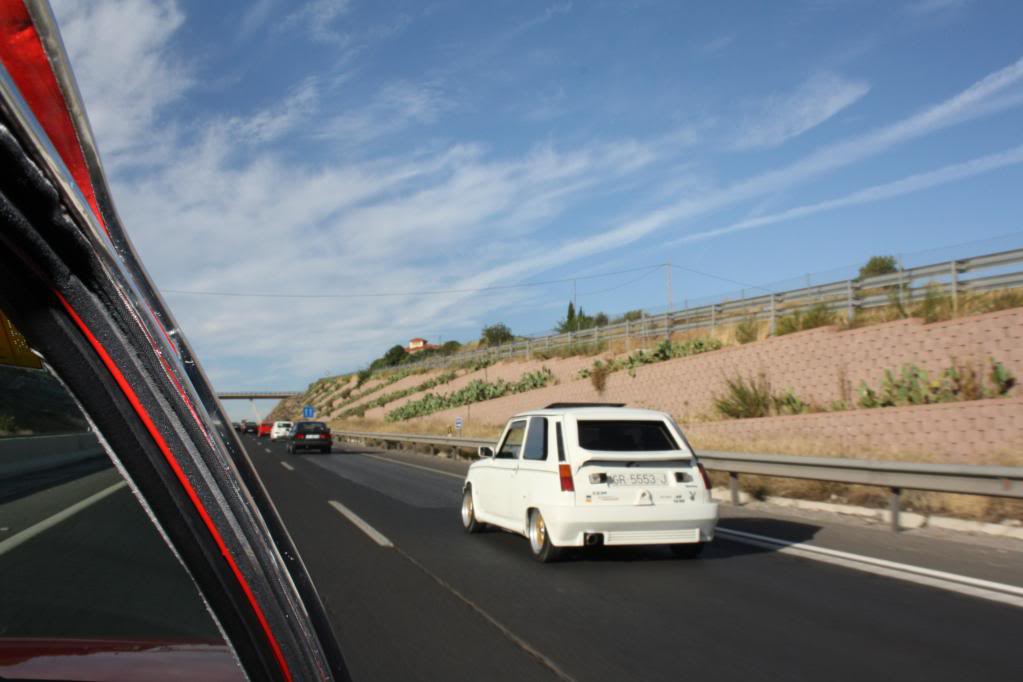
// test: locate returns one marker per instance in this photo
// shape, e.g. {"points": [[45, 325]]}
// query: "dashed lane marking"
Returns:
{"points": [[51, 521], [375, 535]]}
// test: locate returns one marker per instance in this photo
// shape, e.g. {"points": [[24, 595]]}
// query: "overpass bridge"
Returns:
{"points": [[257, 395]]}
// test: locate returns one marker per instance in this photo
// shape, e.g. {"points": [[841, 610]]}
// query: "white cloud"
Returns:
{"points": [[908, 185], [781, 117], [395, 107], [715, 45], [121, 57], [206, 218], [317, 18]]}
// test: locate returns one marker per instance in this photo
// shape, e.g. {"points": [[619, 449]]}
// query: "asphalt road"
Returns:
{"points": [[440, 604]]}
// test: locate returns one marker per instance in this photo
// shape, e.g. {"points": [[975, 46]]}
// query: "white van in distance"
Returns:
{"points": [[580, 474]]}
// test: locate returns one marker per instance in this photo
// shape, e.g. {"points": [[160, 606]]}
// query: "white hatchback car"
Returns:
{"points": [[575, 474], [280, 430]]}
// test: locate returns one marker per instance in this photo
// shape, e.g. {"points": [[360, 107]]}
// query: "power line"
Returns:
{"points": [[433, 292], [646, 274]]}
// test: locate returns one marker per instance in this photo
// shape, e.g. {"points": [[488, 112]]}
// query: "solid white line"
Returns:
{"points": [[415, 466], [287, 466], [952, 582], [49, 522], [369, 530]]}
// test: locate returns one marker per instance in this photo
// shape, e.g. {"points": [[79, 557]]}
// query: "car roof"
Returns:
{"points": [[594, 412]]}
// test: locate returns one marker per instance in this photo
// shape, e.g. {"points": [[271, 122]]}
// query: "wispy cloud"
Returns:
{"points": [[395, 106], [715, 45], [935, 6], [318, 17], [780, 117], [908, 185], [122, 51]]}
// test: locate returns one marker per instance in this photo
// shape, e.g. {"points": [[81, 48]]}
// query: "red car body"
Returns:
{"points": [[264, 429]]}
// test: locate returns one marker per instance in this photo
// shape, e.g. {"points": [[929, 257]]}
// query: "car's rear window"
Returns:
{"points": [[625, 436], [311, 427]]}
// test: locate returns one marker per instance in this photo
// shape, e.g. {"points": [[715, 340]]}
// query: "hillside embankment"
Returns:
{"points": [[942, 392]]}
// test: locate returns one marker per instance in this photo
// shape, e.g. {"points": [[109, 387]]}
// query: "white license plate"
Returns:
{"points": [[314, 436], [638, 479]]}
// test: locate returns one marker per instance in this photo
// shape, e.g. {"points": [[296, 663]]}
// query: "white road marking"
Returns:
{"points": [[415, 466], [51, 521], [952, 582], [369, 530], [287, 466]]}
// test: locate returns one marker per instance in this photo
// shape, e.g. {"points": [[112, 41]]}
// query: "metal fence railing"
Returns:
{"points": [[895, 476], [844, 297]]}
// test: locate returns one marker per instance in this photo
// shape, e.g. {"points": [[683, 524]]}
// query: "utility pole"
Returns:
{"points": [[575, 303], [667, 319]]}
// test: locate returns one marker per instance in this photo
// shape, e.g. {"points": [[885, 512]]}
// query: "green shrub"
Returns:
{"points": [[747, 330], [476, 391], [935, 306], [912, 386], [362, 377], [817, 316], [745, 398]]}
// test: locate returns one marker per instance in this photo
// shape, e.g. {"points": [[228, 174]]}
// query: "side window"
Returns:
{"points": [[512, 441], [79, 558], [536, 439]]}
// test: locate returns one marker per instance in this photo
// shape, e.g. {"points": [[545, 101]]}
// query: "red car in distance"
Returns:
{"points": [[264, 429]]}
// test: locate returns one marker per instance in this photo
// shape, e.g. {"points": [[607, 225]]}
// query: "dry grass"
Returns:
{"points": [[972, 507]]}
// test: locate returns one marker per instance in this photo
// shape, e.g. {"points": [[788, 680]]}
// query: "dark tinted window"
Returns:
{"points": [[310, 427], [513, 441], [625, 435], [79, 558], [536, 439]]}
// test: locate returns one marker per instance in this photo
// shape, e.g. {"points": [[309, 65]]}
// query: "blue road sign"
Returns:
{"points": [[458, 423], [308, 412]]}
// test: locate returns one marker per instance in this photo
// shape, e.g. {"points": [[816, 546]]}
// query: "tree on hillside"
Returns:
{"points": [[496, 334], [450, 347], [879, 265], [578, 320]]}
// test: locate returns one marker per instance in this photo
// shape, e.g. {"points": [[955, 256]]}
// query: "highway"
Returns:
{"points": [[412, 597]]}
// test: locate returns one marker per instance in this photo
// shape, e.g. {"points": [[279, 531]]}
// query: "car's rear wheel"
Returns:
{"points": [[688, 550], [540, 540], [469, 522]]}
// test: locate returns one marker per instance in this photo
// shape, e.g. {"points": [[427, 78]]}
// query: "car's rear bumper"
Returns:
{"points": [[312, 445], [633, 525]]}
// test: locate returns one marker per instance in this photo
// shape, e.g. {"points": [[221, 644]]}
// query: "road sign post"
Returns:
{"points": [[458, 425]]}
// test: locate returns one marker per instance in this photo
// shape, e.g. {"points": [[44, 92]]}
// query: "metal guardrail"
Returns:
{"points": [[841, 297], [896, 476]]}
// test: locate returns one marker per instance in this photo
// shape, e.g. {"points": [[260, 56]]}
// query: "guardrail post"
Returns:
{"points": [[849, 313], [628, 336], [893, 507], [733, 487], [774, 308], [954, 268], [713, 317]]}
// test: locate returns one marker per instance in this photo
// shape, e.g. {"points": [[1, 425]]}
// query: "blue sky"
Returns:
{"points": [[355, 147]]}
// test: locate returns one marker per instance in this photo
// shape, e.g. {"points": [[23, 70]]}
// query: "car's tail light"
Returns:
{"points": [[703, 473], [565, 474]]}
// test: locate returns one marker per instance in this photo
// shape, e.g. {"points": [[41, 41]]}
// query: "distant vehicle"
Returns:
{"points": [[310, 436], [569, 476], [280, 430], [264, 429], [249, 426], [237, 426]]}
